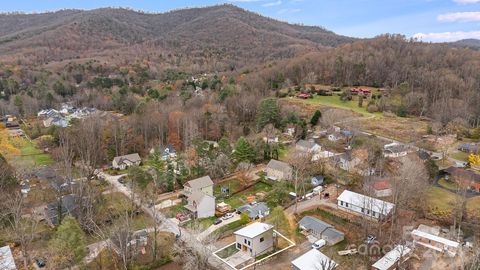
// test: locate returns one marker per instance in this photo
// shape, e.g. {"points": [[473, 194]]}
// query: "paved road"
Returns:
{"points": [[308, 204], [191, 241]]}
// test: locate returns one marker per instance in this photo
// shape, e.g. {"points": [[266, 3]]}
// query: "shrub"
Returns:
{"points": [[372, 108]]}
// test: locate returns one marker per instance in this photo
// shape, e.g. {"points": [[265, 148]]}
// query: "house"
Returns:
{"points": [[67, 205], [394, 150], [469, 148], [255, 239], [382, 188], [254, 210], [390, 261], [122, 162], [308, 146], [270, 139], [203, 184], [169, 152], [435, 242], [346, 161], [290, 130], [58, 121], [6, 259], [201, 205], [321, 230], [364, 205], [278, 170], [304, 95], [317, 180], [463, 177], [313, 260]]}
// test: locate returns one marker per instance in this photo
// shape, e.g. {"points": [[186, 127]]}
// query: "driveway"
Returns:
{"points": [[214, 227]]}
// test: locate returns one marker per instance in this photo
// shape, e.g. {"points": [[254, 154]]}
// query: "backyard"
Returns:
{"points": [[22, 152], [235, 197], [441, 203]]}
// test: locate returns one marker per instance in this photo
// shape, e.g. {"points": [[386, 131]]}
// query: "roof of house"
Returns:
{"points": [[279, 166], [314, 260], [428, 229], [253, 230], [306, 144], [394, 255], [435, 238], [332, 233], [361, 200], [135, 157], [472, 147], [312, 223], [67, 205], [382, 185], [254, 210], [6, 259], [201, 182], [318, 178], [395, 148], [462, 173]]}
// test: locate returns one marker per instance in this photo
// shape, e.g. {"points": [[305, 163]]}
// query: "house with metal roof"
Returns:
{"points": [[6, 259], [313, 260], [321, 229], [364, 205], [391, 260], [435, 242]]}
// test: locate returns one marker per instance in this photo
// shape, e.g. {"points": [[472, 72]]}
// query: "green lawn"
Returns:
{"points": [[460, 156], [448, 184], [440, 201], [334, 101], [232, 184], [473, 206], [202, 223], [30, 153]]}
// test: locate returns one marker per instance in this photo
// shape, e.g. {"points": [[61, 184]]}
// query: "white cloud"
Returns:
{"points": [[271, 4], [459, 17], [447, 36], [289, 10], [246, 1], [466, 1]]}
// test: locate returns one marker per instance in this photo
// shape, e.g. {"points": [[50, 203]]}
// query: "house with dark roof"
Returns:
{"points": [[317, 180], [278, 170], [254, 210], [469, 148], [55, 211], [122, 162], [321, 230]]}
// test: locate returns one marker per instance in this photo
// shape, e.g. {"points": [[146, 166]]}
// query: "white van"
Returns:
{"points": [[318, 189], [319, 244]]}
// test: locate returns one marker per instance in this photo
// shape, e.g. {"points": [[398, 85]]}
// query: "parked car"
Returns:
{"points": [[122, 180], [217, 221], [41, 262], [318, 244], [227, 216], [370, 239]]}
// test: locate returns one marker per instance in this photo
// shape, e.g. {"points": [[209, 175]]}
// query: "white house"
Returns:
{"points": [[255, 239], [122, 162], [364, 205], [435, 242], [203, 184], [390, 261], [278, 170], [313, 260], [6, 259], [394, 150], [201, 205]]}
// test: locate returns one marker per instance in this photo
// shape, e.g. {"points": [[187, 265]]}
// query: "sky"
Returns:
{"points": [[428, 20]]}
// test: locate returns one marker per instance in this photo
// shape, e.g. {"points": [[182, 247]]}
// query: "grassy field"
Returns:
{"points": [[473, 206], [334, 101], [448, 184], [459, 155], [442, 202], [240, 198]]}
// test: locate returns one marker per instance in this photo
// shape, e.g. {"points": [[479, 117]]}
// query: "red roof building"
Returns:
{"points": [[382, 188]]}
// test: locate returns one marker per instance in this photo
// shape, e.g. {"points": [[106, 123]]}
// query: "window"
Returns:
{"points": [[249, 243], [346, 204], [245, 241], [341, 203], [239, 246], [262, 239]]}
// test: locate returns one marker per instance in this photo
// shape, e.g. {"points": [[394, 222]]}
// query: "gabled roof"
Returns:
{"points": [[435, 238], [6, 259], [312, 223], [314, 260], [255, 210], [463, 174], [394, 255], [306, 144], [253, 230], [382, 185], [135, 157], [201, 182], [395, 148], [363, 201], [279, 166]]}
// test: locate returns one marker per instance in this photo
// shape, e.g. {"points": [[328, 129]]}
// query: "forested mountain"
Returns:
{"points": [[223, 34], [469, 43]]}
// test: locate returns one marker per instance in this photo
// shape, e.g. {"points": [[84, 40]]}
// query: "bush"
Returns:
{"points": [[372, 108]]}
